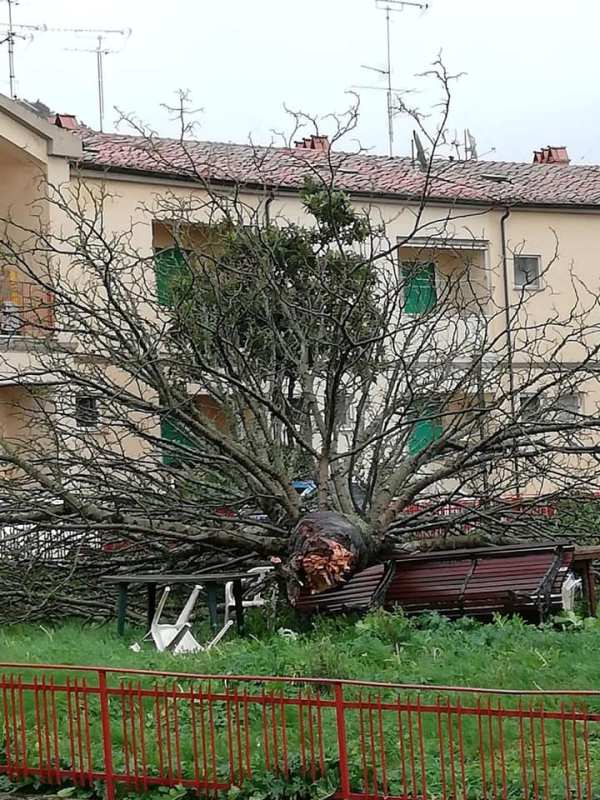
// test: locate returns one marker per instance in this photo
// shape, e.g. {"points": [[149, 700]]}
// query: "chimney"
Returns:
{"points": [[67, 121], [551, 155], [314, 142]]}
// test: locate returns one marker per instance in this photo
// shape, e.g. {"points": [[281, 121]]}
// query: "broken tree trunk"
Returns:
{"points": [[326, 548]]}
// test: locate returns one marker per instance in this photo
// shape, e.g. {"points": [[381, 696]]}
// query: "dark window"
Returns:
{"points": [[531, 407], [564, 407], [87, 412], [527, 272], [568, 407]]}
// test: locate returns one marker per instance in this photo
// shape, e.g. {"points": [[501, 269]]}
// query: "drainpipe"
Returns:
{"points": [[509, 341]]}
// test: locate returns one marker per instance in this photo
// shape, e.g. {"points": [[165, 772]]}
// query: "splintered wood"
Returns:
{"points": [[326, 549], [327, 565]]}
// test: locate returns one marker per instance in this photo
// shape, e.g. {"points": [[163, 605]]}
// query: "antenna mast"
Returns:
{"points": [[10, 35], [100, 52], [10, 40], [389, 6], [100, 76]]}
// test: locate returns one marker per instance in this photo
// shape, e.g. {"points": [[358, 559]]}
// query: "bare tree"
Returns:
{"points": [[179, 398]]}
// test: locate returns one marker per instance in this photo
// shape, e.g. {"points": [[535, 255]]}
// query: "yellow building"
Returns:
{"points": [[502, 229]]}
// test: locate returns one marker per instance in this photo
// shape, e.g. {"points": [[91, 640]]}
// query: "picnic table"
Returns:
{"points": [[209, 580]]}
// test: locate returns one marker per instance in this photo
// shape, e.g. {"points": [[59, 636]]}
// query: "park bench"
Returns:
{"points": [[363, 591], [525, 579]]}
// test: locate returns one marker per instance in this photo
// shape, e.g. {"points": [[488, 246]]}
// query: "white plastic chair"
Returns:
{"points": [[571, 586], [255, 574], [177, 637]]}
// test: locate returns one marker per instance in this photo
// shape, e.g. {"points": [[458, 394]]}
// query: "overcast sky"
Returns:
{"points": [[531, 66]]}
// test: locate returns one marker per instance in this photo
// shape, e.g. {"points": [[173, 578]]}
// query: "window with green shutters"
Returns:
{"points": [[425, 430], [170, 431], [419, 287], [168, 268]]}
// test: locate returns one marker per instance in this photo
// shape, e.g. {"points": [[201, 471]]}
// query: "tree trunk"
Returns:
{"points": [[325, 549]]}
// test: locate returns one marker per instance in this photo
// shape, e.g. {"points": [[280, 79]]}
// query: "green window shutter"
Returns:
{"points": [[424, 431], [419, 288], [170, 431], [168, 266]]}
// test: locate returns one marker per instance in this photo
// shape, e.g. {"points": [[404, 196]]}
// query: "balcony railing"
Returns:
{"points": [[26, 309]]}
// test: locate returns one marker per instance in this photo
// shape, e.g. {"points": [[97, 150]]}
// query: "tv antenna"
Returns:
{"points": [[100, 50], [467, 149], [11, 34], [12, 31], [390, 6]]}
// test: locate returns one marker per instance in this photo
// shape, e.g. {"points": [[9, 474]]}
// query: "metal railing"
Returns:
{"points": [[141, 729], [25, 543], [463, 516]]}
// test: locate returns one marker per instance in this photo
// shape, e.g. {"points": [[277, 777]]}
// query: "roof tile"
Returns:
{"points": [[493, 182]]}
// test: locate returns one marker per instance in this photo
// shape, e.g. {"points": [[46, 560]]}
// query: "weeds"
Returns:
{"points": [[382, 646]]}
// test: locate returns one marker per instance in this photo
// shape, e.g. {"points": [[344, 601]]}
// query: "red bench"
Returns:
{"points": [[363, 591], [524, 579]]}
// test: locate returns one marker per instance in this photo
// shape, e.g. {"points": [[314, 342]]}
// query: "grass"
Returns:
{"points": [[382, 647]]}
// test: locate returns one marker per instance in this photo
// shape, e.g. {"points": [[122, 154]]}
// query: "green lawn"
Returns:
{"points": [[386, 647], [381, 647]]}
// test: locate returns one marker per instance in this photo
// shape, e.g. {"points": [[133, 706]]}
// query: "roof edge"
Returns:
{"points": [[59, 142], [113, 172]]}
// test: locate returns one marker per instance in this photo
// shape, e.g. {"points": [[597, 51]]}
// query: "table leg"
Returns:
{"points": [[121, 608], [239, 606], [151, 603], [211, 594], [589, 587]]}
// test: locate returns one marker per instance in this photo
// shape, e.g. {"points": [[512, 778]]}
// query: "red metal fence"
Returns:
{"points": [[139, 729], [468, 514]]}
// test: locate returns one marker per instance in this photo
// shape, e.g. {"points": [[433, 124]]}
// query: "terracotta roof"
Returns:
{"points": [[488, 182]]}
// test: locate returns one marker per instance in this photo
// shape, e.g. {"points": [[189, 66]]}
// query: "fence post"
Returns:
{"points": [[106, 736], [340, 713]]}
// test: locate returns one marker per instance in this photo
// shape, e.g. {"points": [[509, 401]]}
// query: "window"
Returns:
{"points": [[427, 427], [527, 272], [564, 408], [531, 407], [568, 407], [87, 412], [461, 416], [168, 269], [172, 433], [420, 293]]}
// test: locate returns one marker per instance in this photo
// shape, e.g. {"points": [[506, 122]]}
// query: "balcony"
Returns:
{"points": [[27, 327], [26, 310]]}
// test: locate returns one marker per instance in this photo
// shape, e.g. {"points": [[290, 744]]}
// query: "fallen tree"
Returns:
{"points": [[181, 397]]}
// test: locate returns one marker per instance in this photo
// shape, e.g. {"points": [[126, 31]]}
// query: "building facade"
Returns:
{"points": [[499, 230]]}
